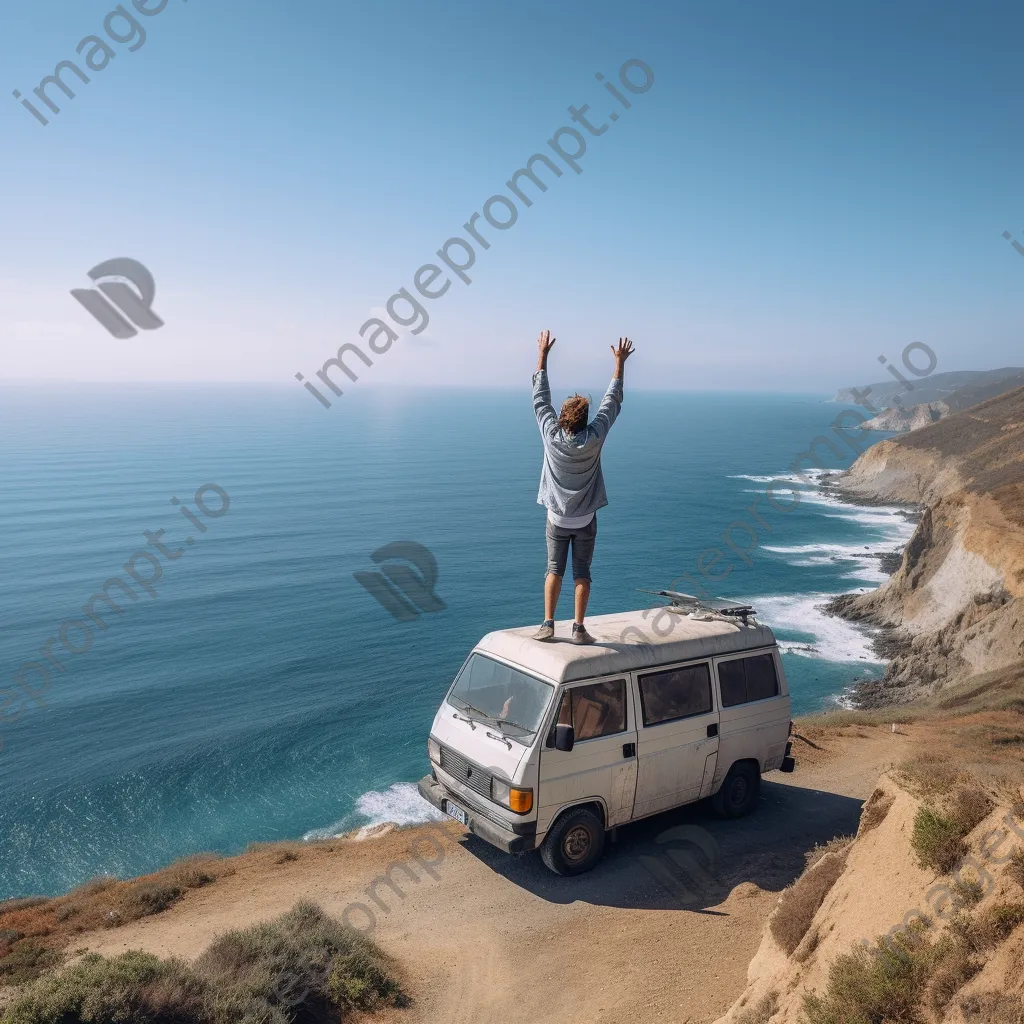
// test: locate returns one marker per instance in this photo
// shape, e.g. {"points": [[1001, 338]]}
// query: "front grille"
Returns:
{"points": [[479, 808], [470, 775]]}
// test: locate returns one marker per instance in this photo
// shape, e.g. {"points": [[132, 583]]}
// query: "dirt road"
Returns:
{"points": [[662, 930]]}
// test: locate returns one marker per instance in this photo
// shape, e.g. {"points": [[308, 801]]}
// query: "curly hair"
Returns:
{"points": [[573, 417]]}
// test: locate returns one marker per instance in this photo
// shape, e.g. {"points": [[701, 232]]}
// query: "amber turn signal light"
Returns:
{"points": [[520, 800]]}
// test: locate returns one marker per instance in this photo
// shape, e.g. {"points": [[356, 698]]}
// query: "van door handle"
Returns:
{"points": [[713, 729], [629, 750]]}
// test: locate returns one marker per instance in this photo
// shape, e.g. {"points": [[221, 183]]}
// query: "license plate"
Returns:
{"points": [[455, 812]]}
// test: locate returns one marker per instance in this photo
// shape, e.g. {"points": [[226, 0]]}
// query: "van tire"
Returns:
{"points": [[739, 793], [575, 842]]}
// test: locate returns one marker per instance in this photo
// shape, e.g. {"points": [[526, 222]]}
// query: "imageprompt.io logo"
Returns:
{"points": [[133, 301], [401, 591], [687, 863]]}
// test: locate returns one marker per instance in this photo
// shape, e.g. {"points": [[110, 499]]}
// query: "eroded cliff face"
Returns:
{"points": [[953, 607], [877, 886]]}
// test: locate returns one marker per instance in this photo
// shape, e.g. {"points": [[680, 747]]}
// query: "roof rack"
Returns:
{"points": [[730, 609]]}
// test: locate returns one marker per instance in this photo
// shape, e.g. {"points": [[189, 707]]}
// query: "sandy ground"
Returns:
{"points": [[662, 930]]}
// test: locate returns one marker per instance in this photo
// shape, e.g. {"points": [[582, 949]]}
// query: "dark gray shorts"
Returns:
{"points": [[582, 541]]}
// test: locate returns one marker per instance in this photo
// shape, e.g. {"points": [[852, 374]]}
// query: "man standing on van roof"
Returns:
{"points": [[571, 484]]}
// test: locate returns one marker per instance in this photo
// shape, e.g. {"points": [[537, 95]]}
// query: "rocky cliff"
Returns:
{"points": [[900, 419], [917, 416], [953, 608]]}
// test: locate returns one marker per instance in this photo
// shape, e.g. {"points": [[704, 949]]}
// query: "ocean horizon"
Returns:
{"points": [[260, 693]]}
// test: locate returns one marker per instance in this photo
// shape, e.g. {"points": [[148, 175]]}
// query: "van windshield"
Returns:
{"points": [[494, 693]]}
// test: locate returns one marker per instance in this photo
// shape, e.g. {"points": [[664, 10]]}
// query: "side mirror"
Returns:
{"points": [[565, 737]]}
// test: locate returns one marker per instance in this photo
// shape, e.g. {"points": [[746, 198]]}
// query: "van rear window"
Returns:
{"points": [[676, 693], [747, 679]]}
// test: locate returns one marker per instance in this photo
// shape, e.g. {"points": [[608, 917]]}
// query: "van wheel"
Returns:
{"points": [[740, 791], [575, 842]]}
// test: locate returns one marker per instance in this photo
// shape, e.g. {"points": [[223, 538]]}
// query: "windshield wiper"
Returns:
{"points": [[473, 707], [513, 722]]}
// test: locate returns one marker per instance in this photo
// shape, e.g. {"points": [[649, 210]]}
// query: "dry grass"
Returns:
{"points": [[954, 965], [836, 845], [876, 807], [1015, 868], [801, 901], [969, 806], [929, 775], [761, 1012], [992, 1008], [994, 925], [842, 718], [34, 931], [982, 744]]}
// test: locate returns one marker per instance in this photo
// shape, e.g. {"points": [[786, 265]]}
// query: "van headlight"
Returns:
{"points": [[434, 751], [512, 797]]}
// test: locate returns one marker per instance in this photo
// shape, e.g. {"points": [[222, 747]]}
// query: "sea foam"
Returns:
{"points": [[825, 636], [399, 804]]}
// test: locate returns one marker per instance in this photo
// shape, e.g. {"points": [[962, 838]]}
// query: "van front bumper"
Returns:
{"points": [[523, 839]]}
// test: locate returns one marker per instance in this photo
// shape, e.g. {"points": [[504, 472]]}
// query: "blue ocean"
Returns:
{"points": [[261, 692]]}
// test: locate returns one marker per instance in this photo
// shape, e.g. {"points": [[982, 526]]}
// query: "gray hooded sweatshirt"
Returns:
{"points": [[571, 483]]}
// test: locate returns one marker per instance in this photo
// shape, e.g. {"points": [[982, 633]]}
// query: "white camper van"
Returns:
{"points": [[549, 744]]}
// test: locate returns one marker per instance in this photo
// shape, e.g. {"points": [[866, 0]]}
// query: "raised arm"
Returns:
{"points": [[542, 407], [612, 401]]}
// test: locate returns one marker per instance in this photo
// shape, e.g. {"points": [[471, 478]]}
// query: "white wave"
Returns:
{"points": [[791, 478], [829, 638], [866, 565], [399, 804]]}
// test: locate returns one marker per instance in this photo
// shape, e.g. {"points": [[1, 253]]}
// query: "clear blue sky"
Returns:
{"points": [[805, 186]]}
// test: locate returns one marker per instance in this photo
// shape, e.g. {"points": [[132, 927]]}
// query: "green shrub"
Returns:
{"points": [[135, 986], [937, 840], [26, 960], [303, 950], [938, 837], [304, 966], [869, 985], [967, 892]]}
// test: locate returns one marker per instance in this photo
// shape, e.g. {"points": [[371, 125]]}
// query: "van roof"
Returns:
{"points": [[626, 641]]}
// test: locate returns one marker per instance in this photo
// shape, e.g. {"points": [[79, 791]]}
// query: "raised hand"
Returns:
{"points": [[544, 344], [623, 351]]}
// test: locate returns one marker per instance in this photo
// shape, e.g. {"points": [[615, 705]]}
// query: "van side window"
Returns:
{"points": [[598, 709], [676, 693], [747, 679]]}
